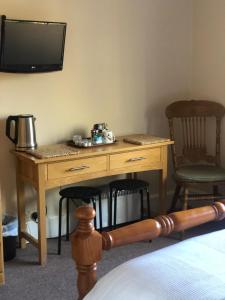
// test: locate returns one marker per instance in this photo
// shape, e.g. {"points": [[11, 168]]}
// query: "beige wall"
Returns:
{"points": [[208, 77], [125, 60]]}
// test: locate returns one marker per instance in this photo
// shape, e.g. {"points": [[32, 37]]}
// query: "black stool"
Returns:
{"points": [[84, 193], [127, 185]]}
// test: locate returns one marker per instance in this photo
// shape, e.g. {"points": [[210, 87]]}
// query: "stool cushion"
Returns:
{"points": [[84, 193], [128, 184]]}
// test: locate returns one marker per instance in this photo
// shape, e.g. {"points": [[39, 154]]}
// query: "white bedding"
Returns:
{"points": [[193, 269]]}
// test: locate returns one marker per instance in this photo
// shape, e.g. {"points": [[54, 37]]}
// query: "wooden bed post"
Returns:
{"points": [[163, 225], [87, 244], [86, 249]]}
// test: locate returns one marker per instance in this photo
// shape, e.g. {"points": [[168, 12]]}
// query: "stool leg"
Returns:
{"points": [[142, 204], [94, 205], [60, 225], [148, 203], [67, 218], [100, 211], [115, 208], [110, 208]]}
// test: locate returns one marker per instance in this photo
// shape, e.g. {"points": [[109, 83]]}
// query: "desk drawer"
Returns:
{"points": [[76, 167], [135, 158]]}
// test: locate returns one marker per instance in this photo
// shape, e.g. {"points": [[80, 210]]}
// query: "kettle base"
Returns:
{"points": [[26, 148]]}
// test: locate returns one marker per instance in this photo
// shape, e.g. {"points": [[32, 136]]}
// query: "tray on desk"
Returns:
{"points": [[71, 143]]}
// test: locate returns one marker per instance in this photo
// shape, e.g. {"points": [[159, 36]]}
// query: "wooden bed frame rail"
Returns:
{"points": [[88, 244]]}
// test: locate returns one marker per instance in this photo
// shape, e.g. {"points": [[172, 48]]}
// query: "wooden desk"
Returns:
{"points": [[91, 163]]}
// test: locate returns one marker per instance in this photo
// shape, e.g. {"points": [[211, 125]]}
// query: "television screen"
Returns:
{"points": [[32, 46]]}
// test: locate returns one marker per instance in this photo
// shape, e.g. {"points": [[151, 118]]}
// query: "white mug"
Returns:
{"points": [[77, 139], [108, 136]]}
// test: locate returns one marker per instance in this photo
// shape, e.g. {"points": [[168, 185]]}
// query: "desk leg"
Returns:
{"points": [[42, 242], [20, 207], [163, 183]]}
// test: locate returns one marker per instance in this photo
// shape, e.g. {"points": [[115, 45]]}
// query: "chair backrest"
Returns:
{"points": [[193, 125]]}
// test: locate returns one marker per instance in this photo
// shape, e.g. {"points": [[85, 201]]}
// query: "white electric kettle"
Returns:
{"points": [[24, 131]]}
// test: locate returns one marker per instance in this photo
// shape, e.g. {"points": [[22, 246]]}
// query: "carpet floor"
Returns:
{"points": [[26, 280]]}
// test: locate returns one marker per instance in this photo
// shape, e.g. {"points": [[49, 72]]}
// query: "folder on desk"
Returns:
{"points": [[52, 151], [144, 139]]}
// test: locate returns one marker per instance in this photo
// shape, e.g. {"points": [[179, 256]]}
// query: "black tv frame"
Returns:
{"points": [[29, 68]]}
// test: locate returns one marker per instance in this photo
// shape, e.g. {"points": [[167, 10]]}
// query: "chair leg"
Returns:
{"points": [[215, 191], [185, 204], [60, 226], [115, 208], [67, 219], [100, 211], [175, 198], [142, 204], [94, 205], [148, 203]]}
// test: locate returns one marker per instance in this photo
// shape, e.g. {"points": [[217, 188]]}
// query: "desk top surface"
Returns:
{"points": [[119, 146]]}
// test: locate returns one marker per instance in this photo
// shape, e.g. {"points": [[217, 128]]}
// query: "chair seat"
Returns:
{"points": [[128, 184], [80, 192], [200, 173]]}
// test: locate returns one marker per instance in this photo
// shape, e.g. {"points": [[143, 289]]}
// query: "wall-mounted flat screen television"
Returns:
{"points": [[31, 46]]}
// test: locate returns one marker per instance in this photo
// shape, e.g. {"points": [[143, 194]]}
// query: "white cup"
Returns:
{"points": [[108, 136], [77, 139]]}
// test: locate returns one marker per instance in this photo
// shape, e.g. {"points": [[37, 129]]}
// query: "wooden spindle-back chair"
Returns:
{"points": [[195, 127]]}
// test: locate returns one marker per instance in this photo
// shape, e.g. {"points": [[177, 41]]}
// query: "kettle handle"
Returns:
{"points": [[8, 128]]}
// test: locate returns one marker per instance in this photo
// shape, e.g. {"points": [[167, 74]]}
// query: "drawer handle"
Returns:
{"points": [[77, 168], [136, 159]]}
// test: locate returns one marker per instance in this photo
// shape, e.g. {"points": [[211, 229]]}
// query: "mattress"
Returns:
{"points": [[193, 269]]}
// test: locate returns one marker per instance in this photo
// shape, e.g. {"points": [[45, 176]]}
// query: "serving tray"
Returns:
{"points": [[71, 143]]}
